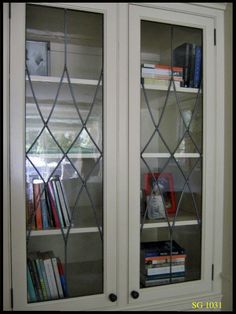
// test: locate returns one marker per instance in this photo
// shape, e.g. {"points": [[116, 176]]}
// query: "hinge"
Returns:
{"points": [[214, 37], [212, 272], [11, 298]]}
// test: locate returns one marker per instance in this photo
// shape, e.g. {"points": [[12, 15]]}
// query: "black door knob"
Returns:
{"points": [[135, 294], [112, 297]]}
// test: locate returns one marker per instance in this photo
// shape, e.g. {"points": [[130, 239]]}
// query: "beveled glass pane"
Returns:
{"points": [[64, 153], [171, 153]]}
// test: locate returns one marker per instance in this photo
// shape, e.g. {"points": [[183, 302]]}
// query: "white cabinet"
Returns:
{"points": [[114, 148]]}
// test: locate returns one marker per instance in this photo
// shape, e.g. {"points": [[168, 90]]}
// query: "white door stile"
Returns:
{"points": [[136, 14], [17, 113], [17, 154]]}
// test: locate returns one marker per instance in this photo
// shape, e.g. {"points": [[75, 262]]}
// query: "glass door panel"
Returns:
{"points": [[64, 153], [170, 154]]}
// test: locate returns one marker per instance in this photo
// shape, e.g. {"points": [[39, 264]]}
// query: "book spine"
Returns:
{"points": [[57, 277], [37, 206], [30, 215], [42, 283], [45, 279], [34, 279], [62, 203], [53, 205], [38, 284], [44, 207], [62, 277], [51, 278], [30, 287], [197, 71], [165, 270], [57, 203], [158, 82], [66, 199], [163, 264], [167, 258], [192, 65]]}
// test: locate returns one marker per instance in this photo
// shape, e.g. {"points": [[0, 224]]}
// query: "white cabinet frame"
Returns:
{"points": [[123, 245]]}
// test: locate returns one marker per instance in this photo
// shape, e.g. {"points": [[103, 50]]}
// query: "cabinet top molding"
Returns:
{"points": [[219, 6]]}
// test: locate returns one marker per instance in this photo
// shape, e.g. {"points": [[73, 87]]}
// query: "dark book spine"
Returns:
{"points": [[198, 67], [35, 280]]}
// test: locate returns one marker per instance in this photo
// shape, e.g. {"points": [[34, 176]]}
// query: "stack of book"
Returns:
{"points": [[160, 74], [45, 277], [47, 205], [189, 56], [161, 264]]}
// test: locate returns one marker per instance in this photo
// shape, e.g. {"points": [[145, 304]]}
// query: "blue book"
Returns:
{"points": [[198, 67], [31, 291]]}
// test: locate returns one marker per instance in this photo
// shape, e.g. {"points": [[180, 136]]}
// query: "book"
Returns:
{"points": [[62, 277], [160, 83], [33, 277], [53, 205], [41, 279], [153, 260], [57, 203], [62, 202], [35, 273], [50, 274], [45, 279], [44, 207], [30, 215], [30, 287], [198, 67], [161, 248], [152, 281], [182, 58], [37, 204], [164, 270], [192, 64], [56, 274]]}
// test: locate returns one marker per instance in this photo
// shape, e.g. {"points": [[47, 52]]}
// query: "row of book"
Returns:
{"points": [[160, 74], [189, 56], [47, 205], [186, 69], [45, 277], [162, 263]]}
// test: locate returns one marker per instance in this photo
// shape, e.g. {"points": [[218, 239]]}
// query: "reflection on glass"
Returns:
{"points": [[171, 152], [64, 153]]}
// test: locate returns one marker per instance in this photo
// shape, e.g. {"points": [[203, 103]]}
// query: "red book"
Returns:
{"points": [[37, 204], [53, 206]]}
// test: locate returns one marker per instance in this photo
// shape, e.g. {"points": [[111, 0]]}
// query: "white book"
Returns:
{"points": [[51, 278], [165, 270], [62, 203], [57, 276]]}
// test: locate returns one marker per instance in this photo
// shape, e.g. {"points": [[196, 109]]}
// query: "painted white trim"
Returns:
{"points": [[6, 165], [122, 156]]}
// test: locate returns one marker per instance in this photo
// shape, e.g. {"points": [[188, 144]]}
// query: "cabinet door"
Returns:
{"points": [[63, 109], [171, 99]]}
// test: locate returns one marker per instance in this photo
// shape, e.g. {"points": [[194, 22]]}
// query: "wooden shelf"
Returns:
{"points": [[178, 89], [184, 218], [167, 155], [54, 79], [48, 232]]}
